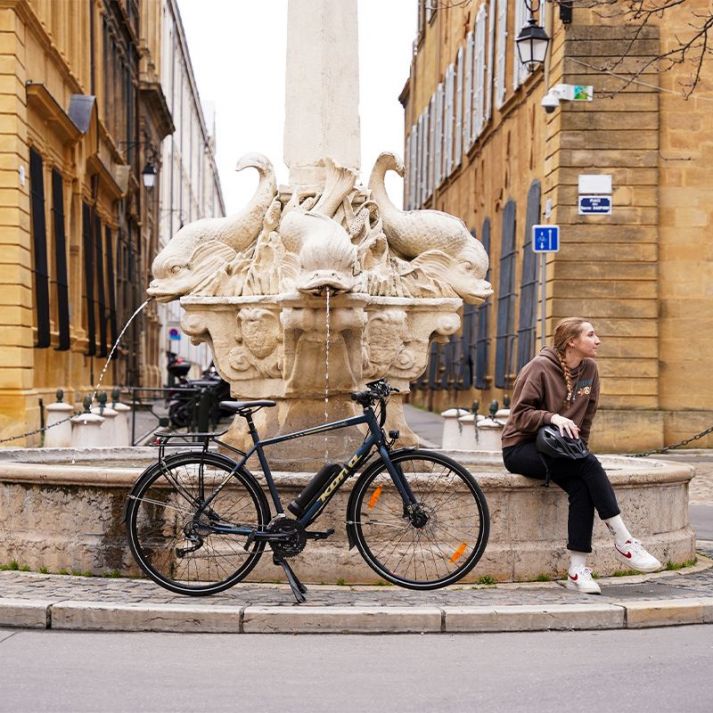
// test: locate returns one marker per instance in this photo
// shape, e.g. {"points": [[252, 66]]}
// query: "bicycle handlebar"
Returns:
{"points": [[378, 390]]}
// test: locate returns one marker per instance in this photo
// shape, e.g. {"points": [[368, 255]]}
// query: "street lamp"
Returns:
{"points": [[532, 43], [148, 176]]}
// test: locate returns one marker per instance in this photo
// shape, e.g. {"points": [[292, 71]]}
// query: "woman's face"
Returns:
{"points": [[587, 343]]}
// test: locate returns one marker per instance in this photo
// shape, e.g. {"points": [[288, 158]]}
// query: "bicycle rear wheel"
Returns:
{"points": [[173, 539], [432, 544]]}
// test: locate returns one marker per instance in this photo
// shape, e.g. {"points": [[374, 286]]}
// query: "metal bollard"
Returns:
{"points": [[451, 428], [58, 436], [86, 428]]}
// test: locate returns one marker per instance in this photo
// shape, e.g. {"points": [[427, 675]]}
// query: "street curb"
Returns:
{"points": [[306, 619]]}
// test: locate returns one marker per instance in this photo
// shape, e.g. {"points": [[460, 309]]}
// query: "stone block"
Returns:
{"points": [[638, 309], [546, 617], [583, 253], [668, 612], [639, 289], [609, 121], [602, 31], [95, 616], [606, 140], [621, 215], [617, 431], [625, 368], [604, 158], [626, 272], [336, 620], [24, 613], [616, 48]]}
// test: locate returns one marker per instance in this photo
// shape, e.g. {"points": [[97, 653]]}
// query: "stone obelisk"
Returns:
{"points": [[321, 89]]}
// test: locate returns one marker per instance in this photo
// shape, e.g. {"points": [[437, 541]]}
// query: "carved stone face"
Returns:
{"points": [[384, 336], [260, 330]]}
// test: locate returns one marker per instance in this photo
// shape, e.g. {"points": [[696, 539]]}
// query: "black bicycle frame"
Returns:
{"points": [[375, 437]]}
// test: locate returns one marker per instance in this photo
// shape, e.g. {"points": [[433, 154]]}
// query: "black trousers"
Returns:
{"points": [[584, 481]]}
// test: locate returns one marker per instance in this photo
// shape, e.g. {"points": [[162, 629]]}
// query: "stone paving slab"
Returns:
{"points": [[91, 603]]}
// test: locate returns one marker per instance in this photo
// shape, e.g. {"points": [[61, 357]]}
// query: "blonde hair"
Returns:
{"points": [[567, 329]]}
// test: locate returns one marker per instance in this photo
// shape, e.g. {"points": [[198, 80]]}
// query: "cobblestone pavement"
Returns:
{"points": [[693, 582]]}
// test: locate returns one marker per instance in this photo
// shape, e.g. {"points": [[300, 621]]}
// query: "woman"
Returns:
{"points": [[560, 386]]}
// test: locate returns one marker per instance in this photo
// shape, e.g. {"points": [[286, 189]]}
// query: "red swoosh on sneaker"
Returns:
{"points": [[625, 554], [575, 578]]}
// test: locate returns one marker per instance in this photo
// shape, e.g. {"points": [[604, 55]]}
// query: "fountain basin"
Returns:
{"points": [[70, 517]]}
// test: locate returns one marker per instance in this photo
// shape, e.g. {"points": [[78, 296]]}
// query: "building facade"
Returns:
{"points": [[84, 115], [189, 186], [480, 145]]}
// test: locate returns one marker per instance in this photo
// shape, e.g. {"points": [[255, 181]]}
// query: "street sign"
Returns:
{"points": [[595, 205], [174, 335], [545, 238]]}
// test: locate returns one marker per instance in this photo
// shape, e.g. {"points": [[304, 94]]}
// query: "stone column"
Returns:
{"points": [[321, 88]]}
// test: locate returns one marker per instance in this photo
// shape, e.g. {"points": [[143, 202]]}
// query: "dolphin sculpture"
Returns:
{"points": [[172, 266]]}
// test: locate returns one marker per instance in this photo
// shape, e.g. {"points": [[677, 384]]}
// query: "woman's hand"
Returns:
{"points": [[566, 426]]}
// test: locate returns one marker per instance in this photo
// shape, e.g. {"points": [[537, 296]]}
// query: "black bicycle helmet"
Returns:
{"points": [[551, 443]]}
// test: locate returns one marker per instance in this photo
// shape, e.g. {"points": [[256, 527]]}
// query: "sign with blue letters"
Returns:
{"points": [[595, 205], [545, 238]]}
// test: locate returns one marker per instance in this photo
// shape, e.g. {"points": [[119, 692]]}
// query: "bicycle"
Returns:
{"points": [[198, 522]]}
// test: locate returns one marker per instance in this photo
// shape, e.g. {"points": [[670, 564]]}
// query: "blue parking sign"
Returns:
{"points": [[545, 238]]}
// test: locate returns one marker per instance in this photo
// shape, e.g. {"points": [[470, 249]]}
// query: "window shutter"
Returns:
{"points": [[60, 261], [431, 143], [407, 174], [519, 70], [420, 162], [458, 138], [526, 332], [39, 250], [448, 121], [103, 322], [482, 342], [111, 288], [500, 57], [506, 299], [488, 111], [468, 93], [438, 138], [88, 247], [479, 81]]}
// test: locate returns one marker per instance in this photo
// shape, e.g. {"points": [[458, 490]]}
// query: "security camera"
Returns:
{"points": [[550, 101]]}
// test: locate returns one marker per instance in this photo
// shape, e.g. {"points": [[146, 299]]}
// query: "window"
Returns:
{"points": [[505, 335], [60, 261], [500, 57], [480, 330], [528, 282], [39, 251], [431, 145]]}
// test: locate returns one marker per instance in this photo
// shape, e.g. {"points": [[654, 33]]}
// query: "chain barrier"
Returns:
{"points": [[680, 444], [42, 429]]}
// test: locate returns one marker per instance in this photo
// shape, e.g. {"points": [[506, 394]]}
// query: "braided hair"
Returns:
{"points": [[567, 329]]}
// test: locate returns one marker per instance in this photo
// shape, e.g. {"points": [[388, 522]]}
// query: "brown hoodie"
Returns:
{"points": [[540, 392]]}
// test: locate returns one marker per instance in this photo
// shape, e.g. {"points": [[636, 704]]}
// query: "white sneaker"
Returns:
{"points": [[580, 580], [637, 557]]}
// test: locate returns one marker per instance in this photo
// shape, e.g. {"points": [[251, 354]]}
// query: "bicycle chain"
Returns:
{"points": [[680, 444]]}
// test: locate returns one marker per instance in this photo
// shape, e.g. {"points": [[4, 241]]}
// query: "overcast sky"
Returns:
{"points": [[237, 49]]}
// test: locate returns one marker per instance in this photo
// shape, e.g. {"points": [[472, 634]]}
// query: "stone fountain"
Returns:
{"points": [[257, 285], [313, 288]]}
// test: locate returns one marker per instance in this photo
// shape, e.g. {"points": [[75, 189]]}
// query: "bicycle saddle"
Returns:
{"points": [[245, 406]]}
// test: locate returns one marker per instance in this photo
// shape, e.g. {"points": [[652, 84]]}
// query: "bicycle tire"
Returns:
{"points": [[436, 553], [161, 511]]}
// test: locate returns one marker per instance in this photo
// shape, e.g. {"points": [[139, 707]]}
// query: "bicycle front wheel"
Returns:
{"points": [[177, 541], [427, 545]]}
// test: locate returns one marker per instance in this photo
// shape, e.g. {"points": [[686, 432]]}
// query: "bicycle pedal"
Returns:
{"points": [[319, 535]]}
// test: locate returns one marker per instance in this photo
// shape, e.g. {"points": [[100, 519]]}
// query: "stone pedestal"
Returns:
{"points": [[58, 436]]}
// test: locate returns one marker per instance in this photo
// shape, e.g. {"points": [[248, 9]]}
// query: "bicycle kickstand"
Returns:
{"points": [[298, 589]]}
